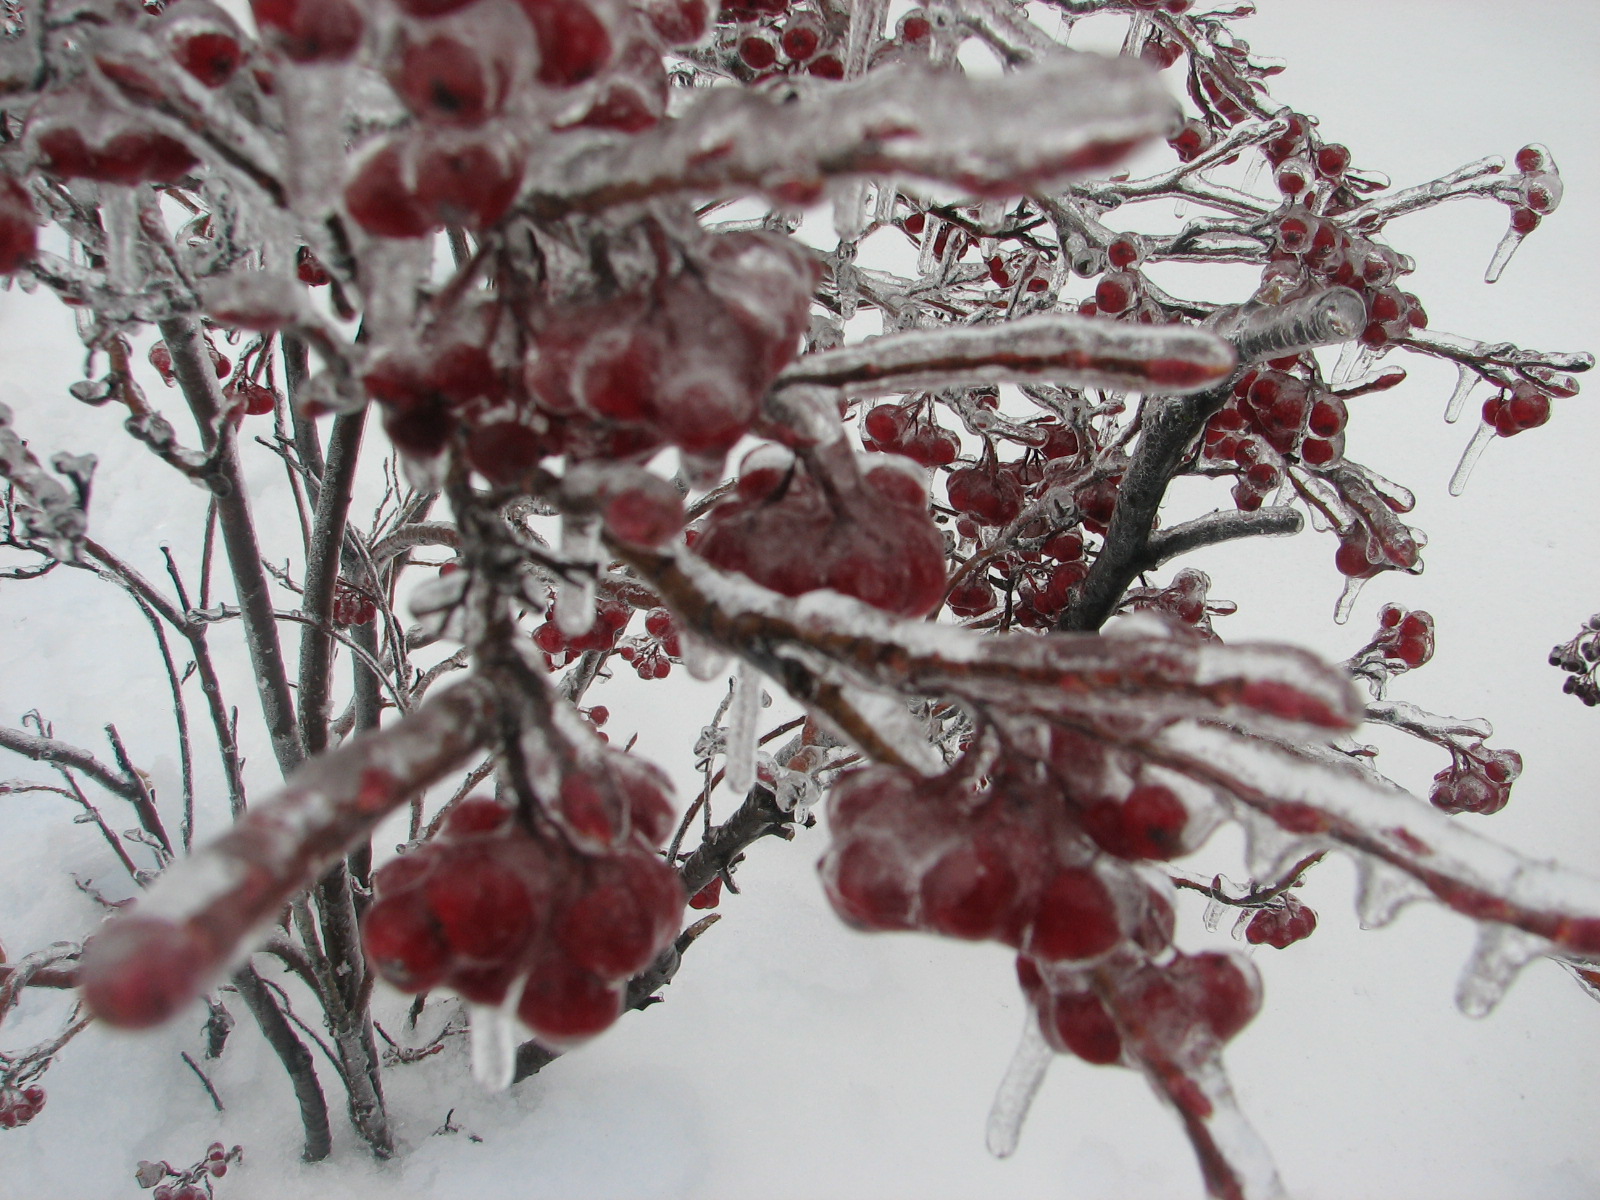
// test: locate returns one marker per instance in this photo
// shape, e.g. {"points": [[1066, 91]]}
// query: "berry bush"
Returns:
{"points": [[875, 362]]}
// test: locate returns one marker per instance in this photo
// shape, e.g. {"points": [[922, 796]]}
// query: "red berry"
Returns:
{"points": [[969, 892], [310, 30], [1077, 1022], [1076, 918], [404, 943], [563, 1004]]}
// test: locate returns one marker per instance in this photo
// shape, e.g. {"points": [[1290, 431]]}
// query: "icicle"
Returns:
{"points": [[1180, 208], [1347, 599], [494, 1044], [1469, 458], [580, 543], [866, 25], [927, 260], [1021, 1084], [1466, 380], [1382, 891], [740, 771], [1253, 173], [1270, 850], [1502, 253], [1497, 959]]}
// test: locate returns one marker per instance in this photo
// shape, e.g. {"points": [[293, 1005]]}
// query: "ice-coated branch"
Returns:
{"points": [[1327, 800], [1071, 351], [322, 572], [1090, 677], [1215, 528], [198, 382], [1480, 178], [62, 754], [1169, 427], [296, 1059], [1259, 332], [53, 512], [1083, 111], [202, 912]]}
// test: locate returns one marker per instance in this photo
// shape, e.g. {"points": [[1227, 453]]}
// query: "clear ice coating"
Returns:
{"points": [[493, 1037], [1067, 350], [1260, 332], [1021, 1084]]}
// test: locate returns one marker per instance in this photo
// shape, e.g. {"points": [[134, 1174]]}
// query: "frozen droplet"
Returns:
{"points": [[1260, 332], [701, 659], [1180, 208], [1469, 458], [740, 772], [1382, 891], [1497, 959], [1347, 599], [493, 1037], [1021, 1084], [1466, 380], [1502, 254]]}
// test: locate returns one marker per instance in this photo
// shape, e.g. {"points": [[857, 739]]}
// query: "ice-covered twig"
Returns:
{"points": [[798, 641], [1259, 332], [1480, 178], [1341, 802], [1075, 351], [1083, 111], [1216, 528], [201, 915]]}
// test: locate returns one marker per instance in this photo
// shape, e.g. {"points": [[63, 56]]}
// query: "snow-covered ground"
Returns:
{"points": [[794, 1058]]}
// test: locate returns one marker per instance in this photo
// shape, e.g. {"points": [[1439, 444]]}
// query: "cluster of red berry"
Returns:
{"points": [[773, 38], [909, 429], [1478, 780], [1185, 600], [1004, 859], [18, 1106], [1282, 923], [352, 605], [1405, 638], [192, 1183], [681, 357], [611, 617], [652, 656], [563, 911], [865, 530]]}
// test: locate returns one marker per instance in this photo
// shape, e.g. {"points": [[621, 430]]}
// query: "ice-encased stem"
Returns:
{"points": [[224, 894], [1012, 1100], [1272, 331], [1069, 351], [1082, 110]]}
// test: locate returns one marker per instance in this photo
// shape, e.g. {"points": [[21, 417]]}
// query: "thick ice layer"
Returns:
{"points": [[1083, 111], [1070, 351]]}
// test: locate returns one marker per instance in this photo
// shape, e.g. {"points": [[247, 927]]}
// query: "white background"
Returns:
{"points": [[796, 1059]]}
